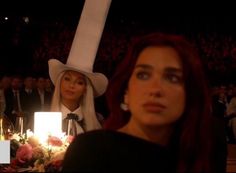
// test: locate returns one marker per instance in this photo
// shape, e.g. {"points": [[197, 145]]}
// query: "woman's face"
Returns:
{"points": [[156, 93], [73, 85]]}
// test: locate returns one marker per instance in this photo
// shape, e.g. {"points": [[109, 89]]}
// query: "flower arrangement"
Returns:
{"points": [[28, 154]]}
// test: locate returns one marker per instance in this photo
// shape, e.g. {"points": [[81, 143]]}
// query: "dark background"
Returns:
{"points": [[25, 47], [19, 39]]}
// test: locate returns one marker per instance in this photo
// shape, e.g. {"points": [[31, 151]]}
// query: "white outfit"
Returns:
{"points": [[78, 112]]}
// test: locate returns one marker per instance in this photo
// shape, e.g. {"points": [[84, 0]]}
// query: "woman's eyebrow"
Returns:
{"points": [[167, 69], [173, 70], [145, 66]]}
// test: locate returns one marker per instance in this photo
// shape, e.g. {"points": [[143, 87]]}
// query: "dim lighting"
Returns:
{"points": [[26, 19]]}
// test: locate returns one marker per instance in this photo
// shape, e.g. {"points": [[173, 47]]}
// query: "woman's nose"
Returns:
{"points": [[72, 84], [155, 88]]}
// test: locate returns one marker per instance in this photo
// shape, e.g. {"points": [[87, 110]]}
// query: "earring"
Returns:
{"points": [[124, 106]]}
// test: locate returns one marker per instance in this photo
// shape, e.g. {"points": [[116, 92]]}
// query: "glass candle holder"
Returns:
{"points": [[6, 128]]}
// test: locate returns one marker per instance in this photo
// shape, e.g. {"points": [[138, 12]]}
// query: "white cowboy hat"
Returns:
{"points": [[98, 80], [84, 46]]}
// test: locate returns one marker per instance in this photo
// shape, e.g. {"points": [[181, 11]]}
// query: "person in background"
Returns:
{"points": [[76, 85], [36, 99], [13, 99], [44, 97], [160, 115], [49, 85], [74, 92], [6, 81], [30, 101]]}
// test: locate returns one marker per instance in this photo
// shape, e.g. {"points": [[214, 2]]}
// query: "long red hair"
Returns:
{"points": [[191, 139]]}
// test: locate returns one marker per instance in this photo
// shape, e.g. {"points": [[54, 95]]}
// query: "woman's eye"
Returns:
{"points": [[174, 78], [66, 78], [80, 82], [143, 75]]}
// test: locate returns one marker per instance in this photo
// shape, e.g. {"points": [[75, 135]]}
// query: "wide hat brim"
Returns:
{"points": [[98, 80]]}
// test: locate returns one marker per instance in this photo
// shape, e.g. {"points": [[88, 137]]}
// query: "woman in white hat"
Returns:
{"points": [[75, 89], [76, 84]]}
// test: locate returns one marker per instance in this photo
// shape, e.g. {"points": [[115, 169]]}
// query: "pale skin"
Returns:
{"points": [[73, 86], [155, 94]]}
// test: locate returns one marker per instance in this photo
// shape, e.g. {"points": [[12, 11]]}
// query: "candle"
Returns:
{"points": [[1, 129], [47, 123]]}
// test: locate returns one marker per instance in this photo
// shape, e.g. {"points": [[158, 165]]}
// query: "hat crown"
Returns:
{"points": [[86, 66], [88, 34]]}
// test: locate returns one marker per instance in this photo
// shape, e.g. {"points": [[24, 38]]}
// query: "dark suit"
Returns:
{"points": [[9, 110], [47, 101], [29, 102]]}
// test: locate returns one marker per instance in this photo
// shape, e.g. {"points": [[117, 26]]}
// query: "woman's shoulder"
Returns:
{"points": [[110, 147], [103, 134], [96, 134], [106, 137], [94, 140]]}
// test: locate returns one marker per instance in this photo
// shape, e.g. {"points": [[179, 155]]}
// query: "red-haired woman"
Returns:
{"points": [[160, 115]]}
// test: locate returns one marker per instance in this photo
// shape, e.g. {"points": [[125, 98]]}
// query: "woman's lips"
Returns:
{"points": [[154, 107], [69, 92]]}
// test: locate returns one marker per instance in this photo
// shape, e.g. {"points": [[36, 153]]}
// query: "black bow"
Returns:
{"points": [[72, 116]]}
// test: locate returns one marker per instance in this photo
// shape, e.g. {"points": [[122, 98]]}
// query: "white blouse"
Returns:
{"points": [[78, 112]]}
